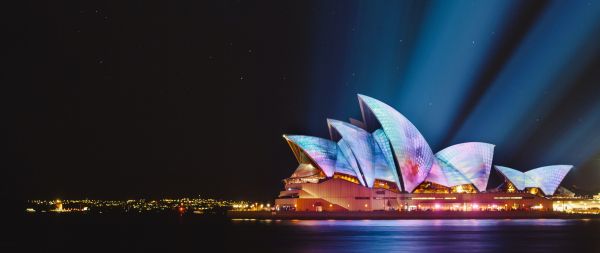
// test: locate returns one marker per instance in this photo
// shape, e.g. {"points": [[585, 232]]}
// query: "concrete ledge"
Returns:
{"points": [[382, 215]]}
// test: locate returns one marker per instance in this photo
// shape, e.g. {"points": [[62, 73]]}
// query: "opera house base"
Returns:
{"points": [[397, 215], [335, 195]]}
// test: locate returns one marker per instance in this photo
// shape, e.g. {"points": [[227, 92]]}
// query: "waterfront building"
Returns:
{"points": [[384, 163], [577, 205]]}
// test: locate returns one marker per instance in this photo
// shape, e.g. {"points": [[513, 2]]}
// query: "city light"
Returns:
{"points": [[195, 205]]}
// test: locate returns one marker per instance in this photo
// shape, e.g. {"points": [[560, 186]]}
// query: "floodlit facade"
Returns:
{"points": [[547, 179], [384, 163]]}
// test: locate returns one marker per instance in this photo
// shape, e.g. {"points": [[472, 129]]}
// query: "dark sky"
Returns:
{"points": [[128, 99]]}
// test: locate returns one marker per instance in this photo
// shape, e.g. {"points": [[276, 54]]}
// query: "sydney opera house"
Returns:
{"points": [[384, 163]]}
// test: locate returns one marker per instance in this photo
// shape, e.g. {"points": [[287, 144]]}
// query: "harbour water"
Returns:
{"points": [[171, 233]]}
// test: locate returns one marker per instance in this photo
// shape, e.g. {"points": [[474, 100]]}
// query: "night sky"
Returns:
{"points": [[131, 99]]}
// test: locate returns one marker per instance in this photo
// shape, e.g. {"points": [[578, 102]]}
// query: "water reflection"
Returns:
{"points": [[469, 235], [151, 233]]}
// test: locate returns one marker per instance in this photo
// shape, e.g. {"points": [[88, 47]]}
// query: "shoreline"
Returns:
{"points": [[424, 215]]}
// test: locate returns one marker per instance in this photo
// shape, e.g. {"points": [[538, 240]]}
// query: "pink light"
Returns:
{"points": [[475, 206], [437, 206]]}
